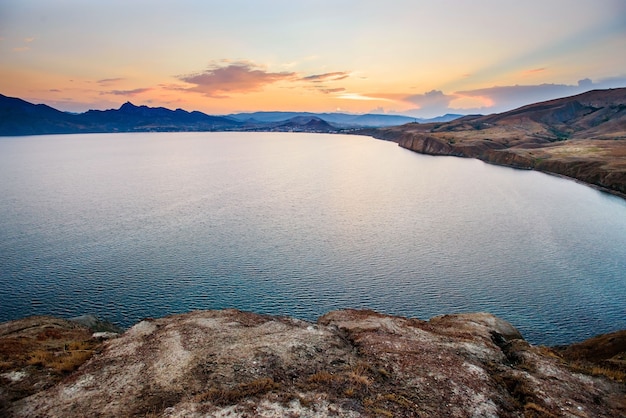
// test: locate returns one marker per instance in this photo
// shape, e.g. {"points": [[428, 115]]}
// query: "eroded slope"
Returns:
{"points": [[350, 363], [582, 137]]}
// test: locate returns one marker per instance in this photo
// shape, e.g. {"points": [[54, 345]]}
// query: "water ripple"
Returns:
{"points": [[146, 225]]}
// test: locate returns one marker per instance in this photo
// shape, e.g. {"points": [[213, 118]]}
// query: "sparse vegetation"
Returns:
{"points": [[604, 355], [611, 373], [230, 396], [389, 404], [351, 382], [532, 410], [41, 351], [64, 356], [354, 361]]}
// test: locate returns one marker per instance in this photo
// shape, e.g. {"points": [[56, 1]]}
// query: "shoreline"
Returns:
{"points": [[96, 324], [516, 158], [597, 187]]}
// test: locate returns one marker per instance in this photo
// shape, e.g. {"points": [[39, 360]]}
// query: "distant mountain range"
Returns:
{"points": [[19, 117], [341, 119]]}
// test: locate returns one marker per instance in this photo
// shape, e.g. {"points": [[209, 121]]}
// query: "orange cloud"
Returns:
{"points": [[460, 103], [132, 92], [238, 77], [335, 90], [434, 100], [106, 81], [534, 71], [359, 96]]}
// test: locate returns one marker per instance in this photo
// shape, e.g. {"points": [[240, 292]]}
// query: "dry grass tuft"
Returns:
{"points": [[607, 369], [391, 404], [322, 378], [613, 374], [359, 379], [230, 396], [382, 413], [548, 352], [532, 410], [71, 361], [40, 357], [63, 359], [355, 382]]}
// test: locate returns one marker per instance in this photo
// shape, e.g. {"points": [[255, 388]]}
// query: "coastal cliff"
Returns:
{"points": [[582, 137], [349, 363]]}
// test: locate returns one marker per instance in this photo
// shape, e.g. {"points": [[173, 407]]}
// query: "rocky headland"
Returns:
{"points": [[582, 137], [349, 363]]}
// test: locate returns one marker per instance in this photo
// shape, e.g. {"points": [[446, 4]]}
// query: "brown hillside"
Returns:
{"points": [[582, 137]]}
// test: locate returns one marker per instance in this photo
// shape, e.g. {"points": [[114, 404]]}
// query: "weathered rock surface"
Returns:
{"points": [[350, 363], [37, 352]]}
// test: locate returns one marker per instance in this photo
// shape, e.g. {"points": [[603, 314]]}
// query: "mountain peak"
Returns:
{"points": [[128, 106]]}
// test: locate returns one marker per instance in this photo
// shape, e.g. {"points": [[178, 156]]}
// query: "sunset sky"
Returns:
{"points": [[420, 58]]}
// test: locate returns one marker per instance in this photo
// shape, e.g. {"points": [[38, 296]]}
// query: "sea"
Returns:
{"points": [[129, 226]]}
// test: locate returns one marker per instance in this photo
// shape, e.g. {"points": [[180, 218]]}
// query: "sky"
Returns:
{"points": [[413, 57]]}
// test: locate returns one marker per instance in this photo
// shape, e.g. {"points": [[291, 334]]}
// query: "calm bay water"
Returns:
{"points": [[129, 226]]}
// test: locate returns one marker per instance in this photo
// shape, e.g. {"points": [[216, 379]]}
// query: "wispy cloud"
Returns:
{"points": [[107, 81], [329, 91], [132, 92], [173, 86], [359, 96], [24, 47], [236, 77], [334, 76], [534, 71], [319, 82]]}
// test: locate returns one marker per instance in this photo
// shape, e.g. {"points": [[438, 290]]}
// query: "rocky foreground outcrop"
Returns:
{"points": [[350, 363]]}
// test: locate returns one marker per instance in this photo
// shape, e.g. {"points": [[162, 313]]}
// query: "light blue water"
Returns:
{"points": [[129, 226]]}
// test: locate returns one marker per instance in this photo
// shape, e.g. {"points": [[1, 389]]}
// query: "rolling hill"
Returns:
{"points": [[19, 117], [582, 137]]}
